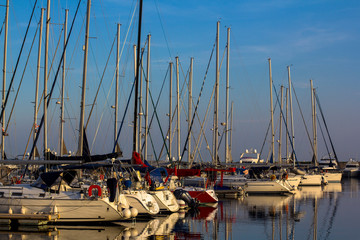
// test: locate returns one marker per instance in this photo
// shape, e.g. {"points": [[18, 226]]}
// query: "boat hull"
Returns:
{"points": [[203, 195], [332, 177], [166, 200], [142, 201], [311, 180], [71, 206], [268, 187]]}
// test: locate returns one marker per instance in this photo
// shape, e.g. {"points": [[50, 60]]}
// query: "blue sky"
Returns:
{"points": [[318, 38]]}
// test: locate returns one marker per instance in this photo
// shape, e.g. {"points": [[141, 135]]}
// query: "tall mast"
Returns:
{"points": [[178, 106], [231, 127], [313, 108], [287, 123], [46, 74], [38, 78], [272, 115], [117, 81], [170, 107], [292, 119], [63, 88], [280, 124], [216, 99], [135, 148], [82, 104], [140, 113], [227, 97], [135, 73], [147, 96], [4, 80], [190, 108]]}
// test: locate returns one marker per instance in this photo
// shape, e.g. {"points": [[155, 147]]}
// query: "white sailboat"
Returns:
{"points": [[142, 201], [166, 200], [311, 180], [54, 193]]}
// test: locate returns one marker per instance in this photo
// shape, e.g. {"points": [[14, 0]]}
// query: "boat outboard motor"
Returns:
{"points": [[112, 184], [182, 194]]}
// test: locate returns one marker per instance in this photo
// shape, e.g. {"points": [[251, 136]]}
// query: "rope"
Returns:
{"points": [[101, 80], [327, 130], [302, 117], [197, 104], [53, 85], [286, 127]]}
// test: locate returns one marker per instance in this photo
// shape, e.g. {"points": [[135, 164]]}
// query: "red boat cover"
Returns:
{"points": [[137, 159], [183, 172]]}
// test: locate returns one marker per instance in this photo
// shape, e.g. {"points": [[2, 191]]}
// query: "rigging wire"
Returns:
{"points": [[53, 85], [326, 128], [323, 136], [17, 63], [303, 119], [197, 104]]}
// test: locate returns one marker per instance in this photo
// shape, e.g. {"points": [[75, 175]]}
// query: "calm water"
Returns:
{"points": [[329, 212]]}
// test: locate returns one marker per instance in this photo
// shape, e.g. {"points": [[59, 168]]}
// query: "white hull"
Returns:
{"points": [[142, 201], [311, 180], [294, 181], [332, 177], [166, 200], [71, 206], [268, 187], [259, 186]]}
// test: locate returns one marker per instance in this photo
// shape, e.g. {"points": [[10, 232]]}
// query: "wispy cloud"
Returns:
{"points": [[313, 38]]}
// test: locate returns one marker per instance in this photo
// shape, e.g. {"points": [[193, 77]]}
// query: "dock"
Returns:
{"points": [[27, 219], [231, 193]]}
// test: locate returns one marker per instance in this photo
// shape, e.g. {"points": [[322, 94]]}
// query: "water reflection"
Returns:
{"points": [[327, 212]]}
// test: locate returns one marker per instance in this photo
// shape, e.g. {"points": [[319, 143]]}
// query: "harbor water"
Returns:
{"points": [[327, 212]]}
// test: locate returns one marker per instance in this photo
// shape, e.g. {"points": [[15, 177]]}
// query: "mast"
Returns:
{"points": [[135, 73], [140, 113], [280, 124], [135, 148], [227, 97], [216, 99], [291, 118], [287, 123], [117, 81], [231, 126], [46, 74], [272, 115], [178, 106], [170, 107], [4, 81], [82, 104], [37, 79], [313, 111], [63, 87], [190, 108], [147, 97]]}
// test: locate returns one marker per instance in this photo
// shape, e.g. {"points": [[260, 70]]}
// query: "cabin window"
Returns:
{"points": [[42, 195], [1, 194], [16, 194]]}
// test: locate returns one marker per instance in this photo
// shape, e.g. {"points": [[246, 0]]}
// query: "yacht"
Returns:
{"points": [[352, 169], [250, 157]]}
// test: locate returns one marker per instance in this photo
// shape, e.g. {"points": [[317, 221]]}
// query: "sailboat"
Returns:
{"points": [[58, 193]]}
